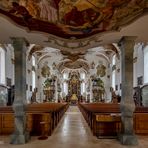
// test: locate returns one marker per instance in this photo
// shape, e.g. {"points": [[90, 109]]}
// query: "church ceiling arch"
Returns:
{"points": [[34, 49], [76, 19], [48, 52], [73, 65], [113, 48], [101, 55]]}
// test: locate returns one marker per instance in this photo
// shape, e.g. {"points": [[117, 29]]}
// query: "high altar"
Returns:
{"points": [[74, 99], [74, 88]]}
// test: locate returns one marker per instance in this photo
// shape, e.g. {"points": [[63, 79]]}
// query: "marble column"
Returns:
{"points": [[127, 106], [20, 135]]}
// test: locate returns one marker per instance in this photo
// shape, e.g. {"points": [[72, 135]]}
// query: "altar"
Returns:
{"points": [[73, 99]]}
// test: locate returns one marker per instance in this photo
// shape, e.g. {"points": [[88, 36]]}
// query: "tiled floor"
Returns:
{"points": [[72, 132]]}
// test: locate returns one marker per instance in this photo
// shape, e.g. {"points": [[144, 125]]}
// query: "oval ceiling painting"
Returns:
{"points": [[73, 18]]}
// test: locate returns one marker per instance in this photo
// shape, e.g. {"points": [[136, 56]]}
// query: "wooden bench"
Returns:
{"points": [[50, 113], [91, 112], [108, 125]]}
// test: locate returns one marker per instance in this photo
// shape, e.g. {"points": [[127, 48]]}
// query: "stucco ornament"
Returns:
{"points": [[45, 71], [101, 70]]}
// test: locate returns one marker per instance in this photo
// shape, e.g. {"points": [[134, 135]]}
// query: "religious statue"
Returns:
{"points": [[114, 96], [33, 97]]}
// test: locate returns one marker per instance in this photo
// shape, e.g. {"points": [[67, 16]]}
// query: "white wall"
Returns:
{"points": [[138, 63], [9, 60]]}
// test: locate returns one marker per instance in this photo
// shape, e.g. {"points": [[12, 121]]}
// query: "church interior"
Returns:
{"points": [[73, 73]]}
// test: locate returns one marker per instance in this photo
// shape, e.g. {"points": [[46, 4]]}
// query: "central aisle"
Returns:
{"points": [[72, 132]]}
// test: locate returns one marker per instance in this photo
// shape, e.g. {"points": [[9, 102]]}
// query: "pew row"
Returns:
{"points": [[49, 113], [104, 119]]}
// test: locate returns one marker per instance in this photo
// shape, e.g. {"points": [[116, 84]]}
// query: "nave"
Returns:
{"points": [[72, 132]]}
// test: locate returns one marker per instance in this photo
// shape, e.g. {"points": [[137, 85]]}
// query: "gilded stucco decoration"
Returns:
{"points": [[101, 70], [73, 65], [34, 49], [45, 70], [73, 18]]}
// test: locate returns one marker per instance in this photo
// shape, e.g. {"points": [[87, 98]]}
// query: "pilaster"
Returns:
{"points": [[20, 135], [127, 106]]}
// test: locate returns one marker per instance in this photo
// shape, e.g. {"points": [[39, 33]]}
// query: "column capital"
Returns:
{"points": [[127, 38], [19, 40]]}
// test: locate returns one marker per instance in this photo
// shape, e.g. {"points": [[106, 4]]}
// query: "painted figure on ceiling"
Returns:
{"points": [[20, 11], [48, 11], [32, 6], [6, 4]]}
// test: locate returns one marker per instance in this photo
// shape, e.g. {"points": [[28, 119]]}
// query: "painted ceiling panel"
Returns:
{"points": [[73, 18]]}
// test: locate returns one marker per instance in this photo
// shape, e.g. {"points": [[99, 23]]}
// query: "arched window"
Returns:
{"points": [[65, 85], [146, 64], [113, 72], [83, 89], [2, 66], [65, 88], [33, 73]]}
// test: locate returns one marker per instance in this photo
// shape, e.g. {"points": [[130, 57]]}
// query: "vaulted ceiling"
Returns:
{"points": [[73, 26], [73, 18]]}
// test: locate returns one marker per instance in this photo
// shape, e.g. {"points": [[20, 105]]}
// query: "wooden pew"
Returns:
{"points": [[92, 111], [49, 113]]}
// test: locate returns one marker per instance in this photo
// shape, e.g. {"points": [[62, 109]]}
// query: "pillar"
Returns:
{"points": [[127, 106], [20, 135]]}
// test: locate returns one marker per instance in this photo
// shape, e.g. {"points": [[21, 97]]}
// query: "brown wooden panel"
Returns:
{"points": [[141, 123], [49, 113], [7, 124], [0, 123]]}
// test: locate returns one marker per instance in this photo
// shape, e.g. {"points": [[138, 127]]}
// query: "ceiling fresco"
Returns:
{"points": [[73, 18]]}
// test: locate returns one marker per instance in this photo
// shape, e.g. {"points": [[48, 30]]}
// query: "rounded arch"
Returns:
{"points": [[104, 56]]}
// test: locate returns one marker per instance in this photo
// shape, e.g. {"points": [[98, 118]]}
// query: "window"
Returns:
{"points": [[146, 64], [83, 90], [65, 88], [33, 73], [2, 66], [65, 85], [114, 72], [65, 76], [83, 77]]}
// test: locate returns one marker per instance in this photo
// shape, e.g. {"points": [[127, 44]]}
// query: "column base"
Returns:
{"points": [[128, 139], [20, 139]]}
